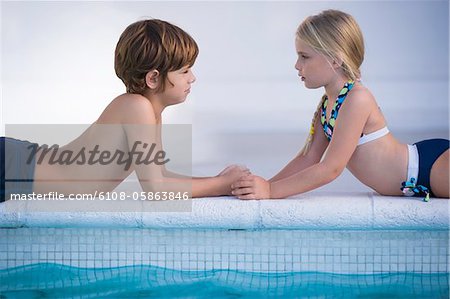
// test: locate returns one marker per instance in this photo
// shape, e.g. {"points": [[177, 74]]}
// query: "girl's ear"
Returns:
{"points": [[337, 62], [152, 79]]}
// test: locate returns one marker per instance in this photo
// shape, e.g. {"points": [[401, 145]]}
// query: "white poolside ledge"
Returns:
{"points": [[314, 210]]}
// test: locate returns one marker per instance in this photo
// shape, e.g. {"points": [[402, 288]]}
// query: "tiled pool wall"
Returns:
{"points": [[332, 251]]}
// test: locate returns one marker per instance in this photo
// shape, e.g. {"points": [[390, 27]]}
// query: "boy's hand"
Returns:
{"points": [[231, 174], [251, 187]]}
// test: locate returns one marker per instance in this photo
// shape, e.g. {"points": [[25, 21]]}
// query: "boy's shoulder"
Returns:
{"points": [[132, 98], [132, 101], [133, 107]]}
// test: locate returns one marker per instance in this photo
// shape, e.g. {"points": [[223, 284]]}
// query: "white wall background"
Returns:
{"points": [[57, 62]]}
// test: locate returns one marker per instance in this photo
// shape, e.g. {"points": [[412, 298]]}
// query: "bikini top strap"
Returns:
{"points": [[328, 127]]}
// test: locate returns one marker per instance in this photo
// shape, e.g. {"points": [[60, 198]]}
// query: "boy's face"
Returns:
{"points": [[181, 85]]}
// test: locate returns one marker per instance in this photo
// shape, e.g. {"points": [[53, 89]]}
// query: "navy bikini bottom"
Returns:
{"points": [[429, 151]]}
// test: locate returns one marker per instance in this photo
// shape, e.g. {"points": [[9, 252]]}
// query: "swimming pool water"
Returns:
{"points": [[188, 263], [47, 280]]}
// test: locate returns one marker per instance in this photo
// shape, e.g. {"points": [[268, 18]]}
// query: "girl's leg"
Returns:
{"points": [[439, 176]]}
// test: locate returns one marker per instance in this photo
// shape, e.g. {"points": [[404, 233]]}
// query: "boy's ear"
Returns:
{"points": [[152, 79]]}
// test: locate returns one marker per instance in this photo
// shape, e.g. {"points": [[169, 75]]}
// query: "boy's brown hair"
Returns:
{"points": [[152, 45]]}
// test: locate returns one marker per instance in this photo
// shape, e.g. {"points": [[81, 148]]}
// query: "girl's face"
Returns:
{"points": [[178, 85], [314, 68]]}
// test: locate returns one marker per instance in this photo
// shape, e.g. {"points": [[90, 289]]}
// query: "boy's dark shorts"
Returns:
{"points": [[17, 164]]}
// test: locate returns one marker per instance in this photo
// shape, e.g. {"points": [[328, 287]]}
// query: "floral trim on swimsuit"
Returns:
{"points": [[328, 127]]}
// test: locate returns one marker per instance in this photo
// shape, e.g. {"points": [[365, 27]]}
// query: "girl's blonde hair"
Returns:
{"points": [[336, 35]]}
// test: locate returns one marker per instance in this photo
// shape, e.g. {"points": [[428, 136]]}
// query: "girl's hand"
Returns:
{"points": [[251, 187], [232, 174]]}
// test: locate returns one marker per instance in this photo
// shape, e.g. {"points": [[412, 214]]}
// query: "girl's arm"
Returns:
{"points": [[349, 125], [300, 162]]}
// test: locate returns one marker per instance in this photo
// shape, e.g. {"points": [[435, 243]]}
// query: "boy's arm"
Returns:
{"points": [[220, 184], [211, 186], [141, 127], [168, 173]]}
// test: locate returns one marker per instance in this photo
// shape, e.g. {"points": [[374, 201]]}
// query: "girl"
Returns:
{"points": [[348, 128], [153, 58]]}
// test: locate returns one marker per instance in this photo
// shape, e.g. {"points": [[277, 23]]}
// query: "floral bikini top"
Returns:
{"points": [[328, 127]]}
